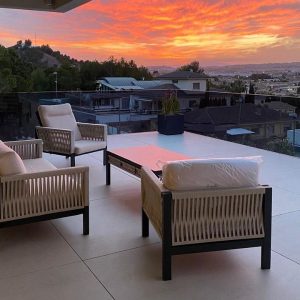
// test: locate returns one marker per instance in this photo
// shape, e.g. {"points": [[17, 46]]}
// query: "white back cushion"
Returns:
{"points": [[10, 162], [211, 173], [59, 116]]}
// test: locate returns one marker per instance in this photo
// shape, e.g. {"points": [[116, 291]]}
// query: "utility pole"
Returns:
{"points": [[55, 73]]}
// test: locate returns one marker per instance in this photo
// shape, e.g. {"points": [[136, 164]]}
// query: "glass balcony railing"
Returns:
{"points": [[262, 121]]}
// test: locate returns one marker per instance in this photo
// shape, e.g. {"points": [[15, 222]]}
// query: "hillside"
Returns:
{"points": [[25, 68], [50, 61], [41, 56]]}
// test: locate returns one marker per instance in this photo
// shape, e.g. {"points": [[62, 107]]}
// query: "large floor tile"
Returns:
{"points": [[284, 201], [121, 182], [115, 225], [61, 161], [70, 282], [289, 181], [32, 247], [285, 235], [225, 275]]}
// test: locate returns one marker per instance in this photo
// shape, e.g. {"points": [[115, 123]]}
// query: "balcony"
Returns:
{"points": [[262, 121], [53, 260]]}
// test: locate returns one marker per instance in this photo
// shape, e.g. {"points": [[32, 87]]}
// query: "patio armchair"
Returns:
{"points": [[32, 189], [207, 206], [62, 135]]}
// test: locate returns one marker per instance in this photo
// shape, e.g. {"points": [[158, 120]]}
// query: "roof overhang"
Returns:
{"points": [[43, 5]]}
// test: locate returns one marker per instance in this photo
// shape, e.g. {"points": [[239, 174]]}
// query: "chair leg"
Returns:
{"points": [[104, 157], [266, 246], [266, 255], [145, 224], [86, 225], [167, 237], [72, 160], [166, 264]]}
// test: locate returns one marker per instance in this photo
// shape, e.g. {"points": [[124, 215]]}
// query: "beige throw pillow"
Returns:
{"points": [[10, 162]]}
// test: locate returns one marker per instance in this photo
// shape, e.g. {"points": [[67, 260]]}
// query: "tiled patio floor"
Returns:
{"points": [[53, 260]]}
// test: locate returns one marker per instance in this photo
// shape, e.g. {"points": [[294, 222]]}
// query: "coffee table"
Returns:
{"points": [[131, 159]]}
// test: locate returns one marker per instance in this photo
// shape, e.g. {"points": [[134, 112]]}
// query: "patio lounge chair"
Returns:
{"points": [[32, 189], [207, 206], [62, 135]]}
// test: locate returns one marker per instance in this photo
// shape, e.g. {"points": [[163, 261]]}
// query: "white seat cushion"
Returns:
{"points": [[10, 162], [84, 146], [211, 173], [59, 116], [37, 165]]}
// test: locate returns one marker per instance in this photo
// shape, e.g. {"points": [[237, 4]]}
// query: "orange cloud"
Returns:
{"points": [[166, 32]]}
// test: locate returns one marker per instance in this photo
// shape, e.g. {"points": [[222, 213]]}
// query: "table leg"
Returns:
{"points": [[107, 173]]}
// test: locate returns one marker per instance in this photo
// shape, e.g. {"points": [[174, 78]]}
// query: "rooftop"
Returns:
{"points": [[182, 75], [277, 105], [53, 260], [208, 118]]}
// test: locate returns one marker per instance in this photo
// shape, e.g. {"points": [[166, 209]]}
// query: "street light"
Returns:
{"points": [[55, 73]]}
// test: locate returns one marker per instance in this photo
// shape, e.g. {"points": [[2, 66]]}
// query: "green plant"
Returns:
{"points": [[280, 146], [170, 104]]}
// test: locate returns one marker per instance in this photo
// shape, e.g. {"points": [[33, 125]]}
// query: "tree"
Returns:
{"points": [[237, 86], [68, 77], [251, 89], [90, 71], [46, 49], [27, 43], [193, 66], [8, 81], [14, 73], [250, 97], [39, 80], [19, 44], [257, 76]]}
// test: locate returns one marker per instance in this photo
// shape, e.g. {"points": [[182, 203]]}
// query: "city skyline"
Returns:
{"points": [[165, 32]]}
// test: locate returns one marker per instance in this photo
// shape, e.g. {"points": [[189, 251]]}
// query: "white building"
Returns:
{"points": [[185, 80]]}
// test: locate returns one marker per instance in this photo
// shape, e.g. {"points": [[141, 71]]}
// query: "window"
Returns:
{"points": [[270, 130], [174, 81], [196, 86]]}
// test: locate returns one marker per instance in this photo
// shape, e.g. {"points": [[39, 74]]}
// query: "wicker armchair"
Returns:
{"points": [[206, 220], [42, 192], [62, 135]]}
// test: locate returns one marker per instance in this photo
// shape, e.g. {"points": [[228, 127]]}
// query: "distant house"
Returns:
{"points": [[282, 107], [106, 84], [116, 90], [191, 87], [130, 94], [186, 80], [294, 90], [264, 122], [144, 95]]}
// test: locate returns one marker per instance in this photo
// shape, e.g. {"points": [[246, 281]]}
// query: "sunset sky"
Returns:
{"points": [[165, 32]]}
